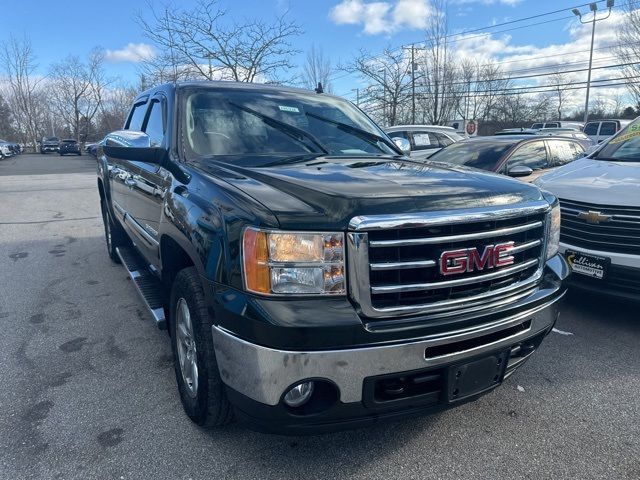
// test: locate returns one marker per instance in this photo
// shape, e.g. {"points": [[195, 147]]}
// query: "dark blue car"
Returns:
{"points": [[69, 146]]}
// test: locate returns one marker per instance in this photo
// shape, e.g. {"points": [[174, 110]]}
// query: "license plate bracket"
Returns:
{"points": [[477, 376], [593, 266]]}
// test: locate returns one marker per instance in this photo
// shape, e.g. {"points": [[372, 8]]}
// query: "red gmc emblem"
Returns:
{"points": [[453, 262]]}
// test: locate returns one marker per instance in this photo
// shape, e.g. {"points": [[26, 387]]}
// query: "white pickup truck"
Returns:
{"points": [[600, 204]]}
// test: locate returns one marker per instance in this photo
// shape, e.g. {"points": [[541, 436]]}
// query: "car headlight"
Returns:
{"points": [[553, 242], [298, 263]]}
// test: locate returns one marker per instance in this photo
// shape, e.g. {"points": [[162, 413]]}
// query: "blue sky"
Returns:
{"points": [[340, 27]]}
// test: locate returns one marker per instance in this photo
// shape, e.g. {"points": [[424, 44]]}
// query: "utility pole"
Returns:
{"points": [[413, 86], [357, 90], [384, 95], [593, 7]]}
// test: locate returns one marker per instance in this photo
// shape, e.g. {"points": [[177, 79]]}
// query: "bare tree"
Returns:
{"points": [[77, 89], [317, 69], [560, 85], [482, 86], [115, 107], [388, 94], [439, 92], [628, 49], [23, 87], [197, 43]]}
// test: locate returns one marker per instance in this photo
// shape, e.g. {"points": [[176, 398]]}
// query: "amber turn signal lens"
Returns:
{"points": [[255, 258]]}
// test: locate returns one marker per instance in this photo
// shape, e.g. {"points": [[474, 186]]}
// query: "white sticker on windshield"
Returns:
{"points": [[284, 108], [421, 139]]}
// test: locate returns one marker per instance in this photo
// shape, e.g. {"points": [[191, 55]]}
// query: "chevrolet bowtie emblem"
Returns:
{"points": [[593, 217]]}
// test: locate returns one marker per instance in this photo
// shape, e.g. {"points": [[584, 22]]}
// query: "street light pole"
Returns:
{"points": [[593, 7]]}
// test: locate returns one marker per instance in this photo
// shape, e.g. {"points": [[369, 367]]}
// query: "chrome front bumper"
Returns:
{"points": [[264, 374]]}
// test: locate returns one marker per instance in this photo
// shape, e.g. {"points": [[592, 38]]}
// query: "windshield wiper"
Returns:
{"points": [[294, 159], [361, 132], [284, 127], [617, 159]]}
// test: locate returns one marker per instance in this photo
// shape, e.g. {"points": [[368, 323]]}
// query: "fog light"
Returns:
{"points": [[299, 395]]}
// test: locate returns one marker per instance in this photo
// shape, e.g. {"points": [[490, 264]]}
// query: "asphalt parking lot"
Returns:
{"points": [[88, 386]]}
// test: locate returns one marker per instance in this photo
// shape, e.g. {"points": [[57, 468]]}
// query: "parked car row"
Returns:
{"points": [[598, 187], [8, 149]]}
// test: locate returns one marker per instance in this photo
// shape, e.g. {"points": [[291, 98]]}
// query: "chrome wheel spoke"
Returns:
{"points": [[186, 348]]}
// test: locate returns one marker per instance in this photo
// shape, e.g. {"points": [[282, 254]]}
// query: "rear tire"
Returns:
{"points": [[114, 234], [201, 389]]}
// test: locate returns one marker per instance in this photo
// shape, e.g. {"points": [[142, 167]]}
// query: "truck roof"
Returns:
{"points": [[226, 84]]}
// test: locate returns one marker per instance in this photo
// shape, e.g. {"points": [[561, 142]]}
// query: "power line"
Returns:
{"points": [[502, 93], [510, 22], [538, 75]]}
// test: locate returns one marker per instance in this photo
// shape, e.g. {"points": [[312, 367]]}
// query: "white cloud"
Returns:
{"points": [[510, 3], [526, 59], [133, 52], [382, 17]]}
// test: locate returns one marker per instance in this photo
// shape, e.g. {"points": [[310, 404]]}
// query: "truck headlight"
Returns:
{"points": [[299, 263], [553, 242]]}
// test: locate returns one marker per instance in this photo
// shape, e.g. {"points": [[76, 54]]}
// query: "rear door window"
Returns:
{"points": [[563, 152], [424, 140], [532, 155], [591, 128], [608, 128], [443, 140]]}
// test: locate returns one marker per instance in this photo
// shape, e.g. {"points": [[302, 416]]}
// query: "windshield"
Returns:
{"points": [[482, 155], [276, 123], [624, 147], [51, 139]]}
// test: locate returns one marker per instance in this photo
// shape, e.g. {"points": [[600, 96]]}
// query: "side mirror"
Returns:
{"points": [[403, 144], [520, 171], [132, 145]]}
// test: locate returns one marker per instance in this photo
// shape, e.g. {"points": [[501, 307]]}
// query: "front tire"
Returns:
{"points": [[201, 389]]}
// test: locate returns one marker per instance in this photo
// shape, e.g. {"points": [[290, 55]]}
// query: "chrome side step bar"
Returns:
{"points": [[147, 284]]}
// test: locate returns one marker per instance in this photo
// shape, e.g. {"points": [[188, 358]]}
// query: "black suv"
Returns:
{"points": [[69, 146], [311, 276]]}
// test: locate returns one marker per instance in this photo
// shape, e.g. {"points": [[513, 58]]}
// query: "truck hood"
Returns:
{"points": [[595, 181], [327, 192]]}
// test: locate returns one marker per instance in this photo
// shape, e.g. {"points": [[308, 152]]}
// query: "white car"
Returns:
{"points": [[600, 204], [5, 151], [600, 130], [425, 140]]}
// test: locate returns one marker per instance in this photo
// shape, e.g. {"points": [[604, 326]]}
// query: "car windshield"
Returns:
{"points": [[477, 154], [624, 147], [51, 139], [271, 123]]}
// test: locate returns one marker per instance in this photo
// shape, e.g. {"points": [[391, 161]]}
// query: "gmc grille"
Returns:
{"points": [[619, 234], [395, 271]]}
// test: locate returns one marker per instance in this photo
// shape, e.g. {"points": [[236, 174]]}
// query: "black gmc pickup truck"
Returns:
{"points": [[310, 275]]}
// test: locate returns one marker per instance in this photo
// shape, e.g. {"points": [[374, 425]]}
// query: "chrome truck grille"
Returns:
{"points": [[600, 227], [395, 263]]}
